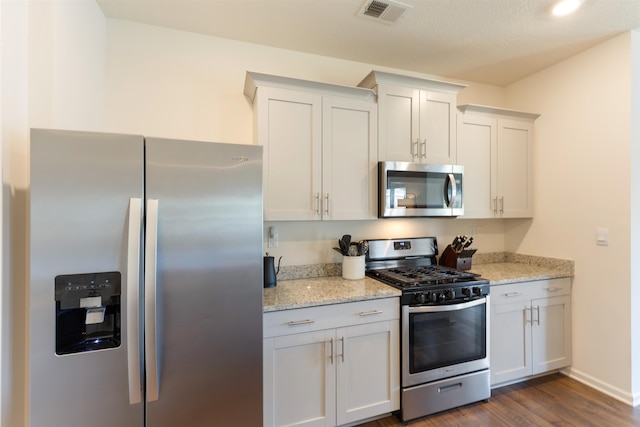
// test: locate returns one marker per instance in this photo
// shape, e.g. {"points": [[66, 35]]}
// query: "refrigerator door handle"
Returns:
{"points": [[150, 318], [133, 277]]}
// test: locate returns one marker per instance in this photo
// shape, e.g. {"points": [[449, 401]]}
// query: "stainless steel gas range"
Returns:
{"points": [[444, 327]]}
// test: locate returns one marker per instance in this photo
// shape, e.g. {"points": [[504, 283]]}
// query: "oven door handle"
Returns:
{"points": [[447, 307]]}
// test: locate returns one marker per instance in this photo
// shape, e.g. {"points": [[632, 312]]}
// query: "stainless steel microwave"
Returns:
{"points": [[419, 190]]}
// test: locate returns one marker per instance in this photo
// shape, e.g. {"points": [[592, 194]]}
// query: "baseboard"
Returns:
{"points": [[603, 387]]}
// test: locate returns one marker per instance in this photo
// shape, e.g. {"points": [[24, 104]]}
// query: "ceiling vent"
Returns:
{"points": [[387, 11]]}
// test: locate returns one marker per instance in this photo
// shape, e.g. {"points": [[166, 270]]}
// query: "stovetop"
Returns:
{"points": [[422, 277], [411, 266]]}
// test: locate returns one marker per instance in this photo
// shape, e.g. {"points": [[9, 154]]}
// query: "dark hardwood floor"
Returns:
{"points": [[553, 400]]}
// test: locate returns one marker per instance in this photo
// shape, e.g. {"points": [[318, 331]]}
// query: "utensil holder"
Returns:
{"points": [[353, 267], [459, 261]]}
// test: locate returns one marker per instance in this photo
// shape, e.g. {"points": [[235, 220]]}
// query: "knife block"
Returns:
{"points": [[459, 261]]}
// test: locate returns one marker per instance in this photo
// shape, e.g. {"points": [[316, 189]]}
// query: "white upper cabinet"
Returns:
{"points": [[416, 118], [495, 147], [319, 148]]}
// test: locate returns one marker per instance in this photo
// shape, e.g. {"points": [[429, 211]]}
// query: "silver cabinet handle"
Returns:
{"points": [[552, 289], [502, 204], [317, 203], [527, 319], [511, 294], [133, 309], [300, 322], [341, 354], [369, 313], [495, 205], [326, 204], [331, 355], [150, 315], [538, 310], [423, 150], [415, 152]]}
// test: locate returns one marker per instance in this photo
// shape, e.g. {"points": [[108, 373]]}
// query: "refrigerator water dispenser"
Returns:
{"points": [[87, 312]]}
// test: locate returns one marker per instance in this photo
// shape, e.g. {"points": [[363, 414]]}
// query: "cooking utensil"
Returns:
{"points": [[469, 242], [347, 241], [344, 249], [353, 249], [363, 247]]}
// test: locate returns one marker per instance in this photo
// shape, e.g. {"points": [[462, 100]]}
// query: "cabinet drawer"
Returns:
{"points": [[525, 291], [516, 292], [552, 288], [295, 321]]}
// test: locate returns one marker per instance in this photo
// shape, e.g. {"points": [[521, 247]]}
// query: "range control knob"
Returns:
{"points": [[442, 297], [477, 291], [450, 294], [421, 298], [466, 292], [432, 296]]}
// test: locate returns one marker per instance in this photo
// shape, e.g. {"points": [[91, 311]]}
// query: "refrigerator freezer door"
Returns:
{"points": [[81, 184], [208, 284]]}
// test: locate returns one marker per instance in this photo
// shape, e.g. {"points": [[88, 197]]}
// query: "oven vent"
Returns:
{"points": [[387, 11]]}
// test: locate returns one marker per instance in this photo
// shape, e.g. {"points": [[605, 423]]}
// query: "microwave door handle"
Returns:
{"points": [[451, 184]]}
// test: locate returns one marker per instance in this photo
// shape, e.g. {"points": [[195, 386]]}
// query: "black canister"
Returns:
{"points": [[270, 271]]}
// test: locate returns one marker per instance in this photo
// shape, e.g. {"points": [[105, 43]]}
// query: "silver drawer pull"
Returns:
{"points": [[553, 289], [300, 322], [369, 313], [512, 294]]}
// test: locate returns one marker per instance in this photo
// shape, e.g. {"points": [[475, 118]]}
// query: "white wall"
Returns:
{"points": [[634, 302], [582, 181], [52, 69], [184, 85]]}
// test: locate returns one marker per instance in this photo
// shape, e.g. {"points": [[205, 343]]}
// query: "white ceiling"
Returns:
{"points": [[491, 41]]}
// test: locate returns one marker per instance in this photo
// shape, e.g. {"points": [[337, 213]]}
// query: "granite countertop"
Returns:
{"points": [[299, 293], [513, 272], [515, 268], [322, 284]]}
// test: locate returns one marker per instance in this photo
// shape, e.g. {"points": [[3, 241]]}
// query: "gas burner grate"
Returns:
{"points": [[423, 276]]}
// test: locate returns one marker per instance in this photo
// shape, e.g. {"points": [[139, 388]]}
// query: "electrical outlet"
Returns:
{"points": [[273, 238], [602, 236]]}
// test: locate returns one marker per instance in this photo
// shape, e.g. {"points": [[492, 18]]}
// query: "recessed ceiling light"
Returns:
{"points": [[565, 7]]}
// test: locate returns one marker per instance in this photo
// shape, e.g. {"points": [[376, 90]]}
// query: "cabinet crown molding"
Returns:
{"points": [[254, 80], [375, 78], [475, 108]]}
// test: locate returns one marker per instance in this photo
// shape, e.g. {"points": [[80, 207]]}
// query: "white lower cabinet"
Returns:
{"points": [[530, 329], [331, 365]]}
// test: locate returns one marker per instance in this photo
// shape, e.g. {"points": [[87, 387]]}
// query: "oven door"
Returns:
{"points": [[444, 340]]}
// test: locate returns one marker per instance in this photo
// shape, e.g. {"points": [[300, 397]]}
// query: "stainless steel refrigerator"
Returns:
{"points": [[145, 300]]}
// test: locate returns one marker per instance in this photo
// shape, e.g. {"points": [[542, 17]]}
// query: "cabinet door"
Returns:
{"points": [[437, 127], [476, 151], [551, 333], [515, 196], [510, 341], [289, 127], [349, 149], [299, 380], [368, 370], [398, 111]]}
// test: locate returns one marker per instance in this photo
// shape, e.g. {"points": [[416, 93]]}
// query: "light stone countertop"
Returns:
{"points": [[513, 272], [299, 293], [322, 284], [504, 268]]}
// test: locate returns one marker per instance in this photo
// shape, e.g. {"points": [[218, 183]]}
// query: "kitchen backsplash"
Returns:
{"points": [[335, 269]]}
